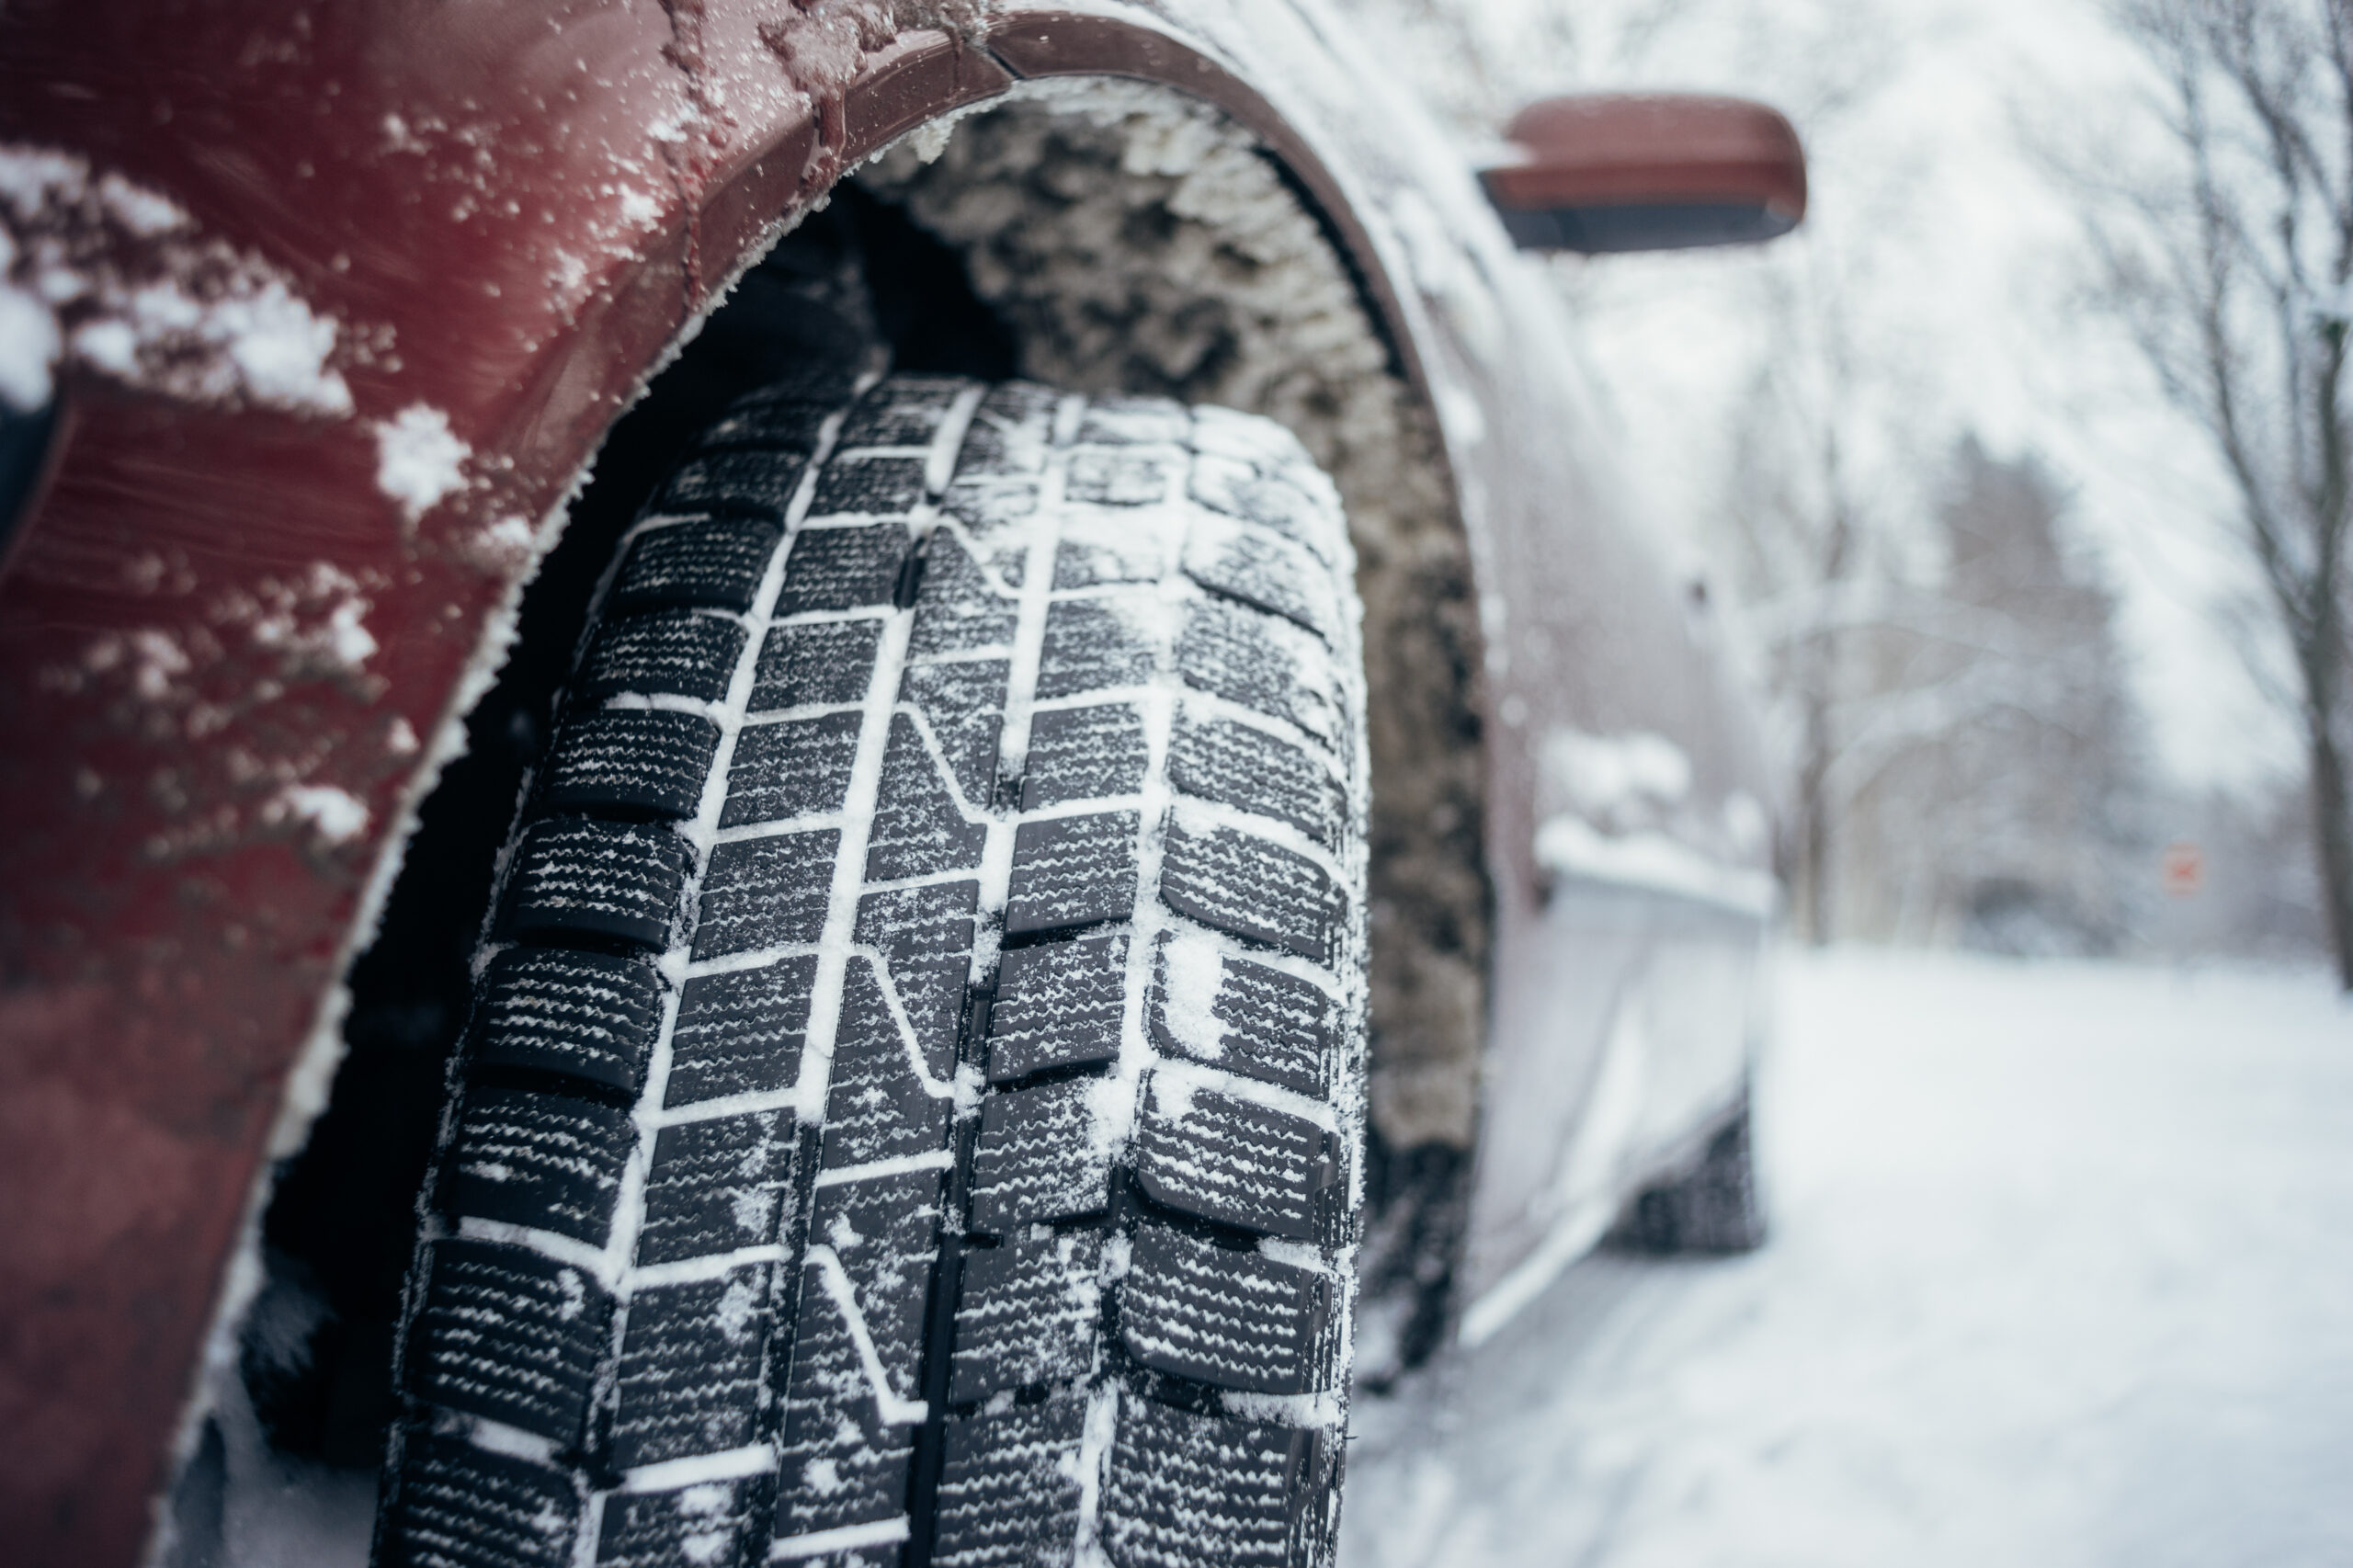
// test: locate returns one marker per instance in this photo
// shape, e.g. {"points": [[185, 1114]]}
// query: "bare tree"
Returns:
{"points": [[2230, 266]]}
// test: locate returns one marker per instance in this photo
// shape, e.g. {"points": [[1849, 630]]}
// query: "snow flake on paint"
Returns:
{"points": [[418, 459], [102, 273], [335, 815]]}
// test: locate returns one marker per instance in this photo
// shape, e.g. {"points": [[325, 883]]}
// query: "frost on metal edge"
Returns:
{"points": [[110, 277]]}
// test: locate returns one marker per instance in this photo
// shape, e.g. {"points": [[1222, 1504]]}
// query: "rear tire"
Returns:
{"points": [[912, 1111], [1713, 1208]]}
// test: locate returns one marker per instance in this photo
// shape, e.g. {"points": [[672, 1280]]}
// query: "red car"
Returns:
{"points": [[806, 781]]}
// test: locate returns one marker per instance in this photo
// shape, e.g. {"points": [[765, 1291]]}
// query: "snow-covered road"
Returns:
{"points": [[2062, 1273]]}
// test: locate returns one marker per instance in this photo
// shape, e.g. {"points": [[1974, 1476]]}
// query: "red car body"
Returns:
{"points": [[232, 639]]}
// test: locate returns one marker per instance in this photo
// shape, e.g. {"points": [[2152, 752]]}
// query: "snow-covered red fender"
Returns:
{"points": [[340, 303]]}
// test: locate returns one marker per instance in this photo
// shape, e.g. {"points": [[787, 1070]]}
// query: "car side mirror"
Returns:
{"points": [[1597, 172]]}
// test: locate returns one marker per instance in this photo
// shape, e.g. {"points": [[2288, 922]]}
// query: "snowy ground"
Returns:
{"points": [[2062, 1273]]}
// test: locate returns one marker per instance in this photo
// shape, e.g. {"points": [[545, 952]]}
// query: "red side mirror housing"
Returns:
{"points": [[1599, 172]]}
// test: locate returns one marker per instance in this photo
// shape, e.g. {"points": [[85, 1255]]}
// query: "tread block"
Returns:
{"points": [[990, 507], [957, 608], [817, 664], [547, 1161], [1245, 885], [460, 1506], [713, 562], [1234, 1320], [795, 769], [1012, 432], [1100, 549], [631, 761], [904, 410], [673, 653], [761, 483], [838, 568], [690, 1368], [1037, 1158], [1058, 1005], [1084, 754], [1233, 1161], [1266, 665], [919, 828], [872, 487], [1026, 1315], [934, 921], [1113, 477], [578, 877], [706, 1525], [1134, 420], [877, 1106], [791, 421], [1071, 871], [717, 1186], [1261, 567], [1008, 1488], [1096, 643], [963, 703], [765, 893], [587, 1016], [1217, 759], [741, 1032], [1190, 1491], [1286, 496], [1245, 1016], [508, 1334], [841, 1463]]}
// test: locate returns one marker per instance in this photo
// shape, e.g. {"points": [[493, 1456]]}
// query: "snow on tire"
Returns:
{"points": [[913, 1110]]}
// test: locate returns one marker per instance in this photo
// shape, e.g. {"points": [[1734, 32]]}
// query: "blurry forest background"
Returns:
{"points": [[2030, 605]]}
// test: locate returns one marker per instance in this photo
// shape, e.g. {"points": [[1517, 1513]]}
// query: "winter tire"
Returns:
{"points": [[912, 1106]]}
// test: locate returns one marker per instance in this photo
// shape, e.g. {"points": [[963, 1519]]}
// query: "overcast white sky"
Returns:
{"points": [[1964, 290]]}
